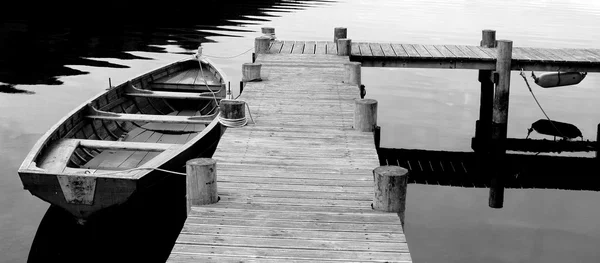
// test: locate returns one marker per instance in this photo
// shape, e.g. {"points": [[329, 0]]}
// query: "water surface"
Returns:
{"points": [[69, 61]]}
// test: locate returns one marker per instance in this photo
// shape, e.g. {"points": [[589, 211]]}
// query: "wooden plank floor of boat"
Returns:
{"points": [[120, 160]]}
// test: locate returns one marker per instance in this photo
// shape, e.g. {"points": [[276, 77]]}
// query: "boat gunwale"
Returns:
{"points": [[29, 166]]}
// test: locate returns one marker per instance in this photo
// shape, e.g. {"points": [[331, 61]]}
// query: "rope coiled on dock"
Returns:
{"points": [[236, 123]]}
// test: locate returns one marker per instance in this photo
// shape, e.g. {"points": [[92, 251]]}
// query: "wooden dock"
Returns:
{"points": [[450, 56], [297, 185]]}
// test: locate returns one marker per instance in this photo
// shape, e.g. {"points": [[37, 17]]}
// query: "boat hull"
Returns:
{"points": [[84, 191]]}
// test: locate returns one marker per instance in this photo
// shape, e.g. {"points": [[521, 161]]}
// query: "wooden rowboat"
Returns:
{"points": [[110, 147]]}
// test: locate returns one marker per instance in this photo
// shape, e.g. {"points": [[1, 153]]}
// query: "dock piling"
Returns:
{"points": [[268, 31], [365, 115], [251, 72], [500, 121], [261, 44], [483, 125], [390, 189], [339, 32], [344, 47], [201, 182]]}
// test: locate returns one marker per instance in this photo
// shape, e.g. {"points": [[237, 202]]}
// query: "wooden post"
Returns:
{"points": [[251, 72], [268, 31], [352, 73], [365, 115], [390, 190], [201, 182], [483, 127], [339, 32], [261, 44], [232, 109], [500, 122], [344, 47], [598, 142]]}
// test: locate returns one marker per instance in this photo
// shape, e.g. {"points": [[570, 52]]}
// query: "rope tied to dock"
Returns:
{"points": [[539, 105], [236, 122], [210, 56]]}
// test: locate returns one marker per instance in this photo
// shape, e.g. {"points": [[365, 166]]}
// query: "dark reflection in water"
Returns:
{"points": [[142, 230], [7, 88], [37, 44]]}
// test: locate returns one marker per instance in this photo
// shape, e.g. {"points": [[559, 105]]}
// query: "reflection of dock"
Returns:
{"points": [[464, 169]]}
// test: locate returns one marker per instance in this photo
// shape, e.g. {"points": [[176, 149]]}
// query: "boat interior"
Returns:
{"points": [[132, 123]]}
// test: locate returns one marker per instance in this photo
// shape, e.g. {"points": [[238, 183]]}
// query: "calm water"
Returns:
{"points": [[60, 60]]}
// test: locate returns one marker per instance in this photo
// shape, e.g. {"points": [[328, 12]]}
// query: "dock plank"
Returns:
{"points": [[287, 47], [334, 245], [565, 56], [479, 52], [399, 50], [355, 49], [456, 51], [291, 233], [422, 51], [276, 47], [469, 52], [331, 48], [387, 49], [365, 49], [533, 55], [517, 53], [547, 55], [410, 50], [445, 51], [433, 51], [298, 47], [376, 49], [321, 48], [309, 47], [594, 53], [285, 255]]}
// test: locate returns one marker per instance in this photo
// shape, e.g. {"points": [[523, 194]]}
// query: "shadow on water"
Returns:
{"points": [[37, 44], [7, 88], [142, 230]]}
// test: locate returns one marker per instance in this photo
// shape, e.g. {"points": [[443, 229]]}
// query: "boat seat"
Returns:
{"points": [[94, 113], [131, 90], [57, 158], [123, 145]]}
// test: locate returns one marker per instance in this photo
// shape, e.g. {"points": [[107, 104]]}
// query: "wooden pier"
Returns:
{"points": [[296, 185], [450, 56]]}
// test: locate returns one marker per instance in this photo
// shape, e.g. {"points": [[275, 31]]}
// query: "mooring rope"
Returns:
{"points": [[224, 121], [538, 103], [231, 56], [236, 123]]}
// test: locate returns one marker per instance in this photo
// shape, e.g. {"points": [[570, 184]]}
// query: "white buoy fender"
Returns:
{"points": [[557, 79]]}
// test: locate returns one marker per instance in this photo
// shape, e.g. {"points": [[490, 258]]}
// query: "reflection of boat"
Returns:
{"points": [[110, 148]]}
